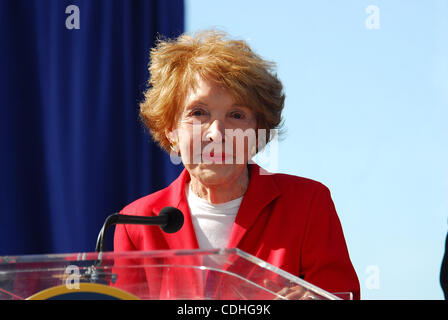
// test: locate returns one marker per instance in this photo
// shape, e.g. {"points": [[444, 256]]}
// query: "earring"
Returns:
{"points": [[173, 147]]}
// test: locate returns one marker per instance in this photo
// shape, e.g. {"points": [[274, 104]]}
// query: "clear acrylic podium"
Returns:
{"points": [[221, 274]]}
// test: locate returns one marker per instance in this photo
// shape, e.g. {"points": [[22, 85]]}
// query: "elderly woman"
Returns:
{"points": [[214, 102]]}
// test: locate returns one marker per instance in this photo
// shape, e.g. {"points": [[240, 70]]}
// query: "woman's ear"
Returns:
{"points": [[173, 138]]}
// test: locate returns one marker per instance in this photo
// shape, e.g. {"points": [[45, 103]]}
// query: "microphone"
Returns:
{"points": [[170, 220]]}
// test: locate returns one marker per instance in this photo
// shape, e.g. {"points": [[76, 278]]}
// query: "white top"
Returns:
{"points": [[212, 222]]}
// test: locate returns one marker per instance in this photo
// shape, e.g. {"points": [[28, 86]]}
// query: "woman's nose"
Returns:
{"points": [[215, 132]]}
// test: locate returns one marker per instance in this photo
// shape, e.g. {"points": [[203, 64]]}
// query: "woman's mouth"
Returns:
{"points": [[216, 157]]}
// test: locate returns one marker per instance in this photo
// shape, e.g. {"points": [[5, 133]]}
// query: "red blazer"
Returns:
{"points": [[285, 220]]}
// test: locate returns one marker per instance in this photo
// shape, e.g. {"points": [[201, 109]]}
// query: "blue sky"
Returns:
{"points": [[365, 114]]}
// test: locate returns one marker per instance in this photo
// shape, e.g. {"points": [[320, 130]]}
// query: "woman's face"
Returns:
{"points": [[215, 135]]}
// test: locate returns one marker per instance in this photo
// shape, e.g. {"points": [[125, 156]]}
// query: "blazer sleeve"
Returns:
{"points": [[325, 260]]}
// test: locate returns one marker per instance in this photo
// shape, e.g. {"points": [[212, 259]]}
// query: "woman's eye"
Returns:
{"points": [[238, 115], [197, 113]]}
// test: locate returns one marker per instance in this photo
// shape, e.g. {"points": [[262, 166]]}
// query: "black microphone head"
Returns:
{"points": [[175, 219]]}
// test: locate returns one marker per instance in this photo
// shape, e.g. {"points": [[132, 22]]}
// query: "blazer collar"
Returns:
{"points": [[261, 191]]}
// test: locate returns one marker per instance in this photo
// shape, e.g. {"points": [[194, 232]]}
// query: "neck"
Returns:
{"points": [[223, 192]]}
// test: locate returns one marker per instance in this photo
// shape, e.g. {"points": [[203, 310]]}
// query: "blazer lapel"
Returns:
{"points": [[185, 238], [261, 191]]}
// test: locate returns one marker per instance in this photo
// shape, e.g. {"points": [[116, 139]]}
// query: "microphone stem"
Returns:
{"points": [[117, 218]]}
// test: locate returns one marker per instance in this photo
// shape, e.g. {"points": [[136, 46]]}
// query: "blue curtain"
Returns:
{"points": [[73, 150]]}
